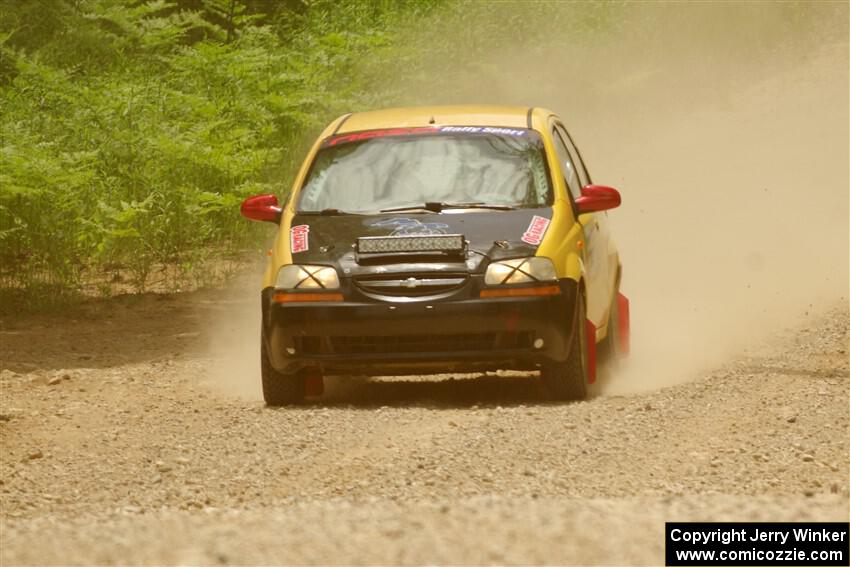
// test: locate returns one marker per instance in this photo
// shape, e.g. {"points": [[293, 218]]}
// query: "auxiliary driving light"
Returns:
{"points": [[425, 243]]}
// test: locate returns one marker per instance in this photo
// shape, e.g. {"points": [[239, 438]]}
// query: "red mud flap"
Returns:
{"points": [[590, 333], [314, 386], [623, 312]]}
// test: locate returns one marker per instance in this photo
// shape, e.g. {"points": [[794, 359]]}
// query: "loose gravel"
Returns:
{"points": [[118, 449]]}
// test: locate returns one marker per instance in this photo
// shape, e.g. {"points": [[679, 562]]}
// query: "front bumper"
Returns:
{"points": [[466, 334]]}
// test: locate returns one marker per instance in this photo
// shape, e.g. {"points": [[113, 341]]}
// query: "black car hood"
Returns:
{"points": [[491, 235]]}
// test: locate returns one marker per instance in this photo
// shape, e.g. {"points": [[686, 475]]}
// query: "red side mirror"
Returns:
{"points": [[261, 208], [597, 198]]}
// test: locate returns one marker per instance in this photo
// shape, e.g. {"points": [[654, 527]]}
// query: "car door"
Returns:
{"points": [[594, 226], [605, 235]]}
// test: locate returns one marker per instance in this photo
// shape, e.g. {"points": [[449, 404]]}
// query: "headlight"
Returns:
{"points": [[294, 276], [520, 270]]}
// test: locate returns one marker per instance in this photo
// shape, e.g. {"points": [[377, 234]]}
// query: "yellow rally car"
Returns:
{"points": [[437, 240]]}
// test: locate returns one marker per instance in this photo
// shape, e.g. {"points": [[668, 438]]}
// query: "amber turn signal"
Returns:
{"points": [[283, 297], [521, 291]]}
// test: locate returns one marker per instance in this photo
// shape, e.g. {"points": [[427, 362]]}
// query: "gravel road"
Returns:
{"points": [[132, 429], [119, 446]]}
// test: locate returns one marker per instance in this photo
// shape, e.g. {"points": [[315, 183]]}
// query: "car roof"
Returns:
{"points": [[469, 115]]}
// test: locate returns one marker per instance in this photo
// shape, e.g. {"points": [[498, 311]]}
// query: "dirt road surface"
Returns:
{"points": [[122, 445], [133, 432]]}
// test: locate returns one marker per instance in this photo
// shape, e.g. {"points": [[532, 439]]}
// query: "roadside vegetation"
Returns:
{"points": [[130, 130]]}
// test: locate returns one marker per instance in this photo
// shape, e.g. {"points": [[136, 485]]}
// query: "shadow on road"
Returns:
{"points": [[220, 327], [437, 392], [104, 333]]}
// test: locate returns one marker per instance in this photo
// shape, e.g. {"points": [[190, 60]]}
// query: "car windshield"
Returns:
{"points": [[372, 171]]}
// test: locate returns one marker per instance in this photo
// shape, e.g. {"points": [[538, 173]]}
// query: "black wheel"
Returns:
{"points": [[568, 380], [279, 389]]}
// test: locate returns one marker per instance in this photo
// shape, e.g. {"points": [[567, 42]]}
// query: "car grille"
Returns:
{"points": [[411, 286], [412, 344]]}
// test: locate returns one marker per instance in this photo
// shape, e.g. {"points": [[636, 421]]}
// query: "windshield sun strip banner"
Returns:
{"points": [[424, 130]]}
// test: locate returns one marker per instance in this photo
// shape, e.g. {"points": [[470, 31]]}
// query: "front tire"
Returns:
{"points": [[279, 389], [568, 380]]}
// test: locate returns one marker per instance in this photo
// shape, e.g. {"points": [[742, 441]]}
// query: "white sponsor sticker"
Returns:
{"points": [[483, 130], [299, 238], [535, 231]]}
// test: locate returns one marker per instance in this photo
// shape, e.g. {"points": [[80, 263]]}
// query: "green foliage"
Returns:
{"points": [[132, 130]]}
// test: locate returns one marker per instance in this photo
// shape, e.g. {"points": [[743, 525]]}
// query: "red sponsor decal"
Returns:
{"points": [[535, 231], [299, 238], [369, 134]]}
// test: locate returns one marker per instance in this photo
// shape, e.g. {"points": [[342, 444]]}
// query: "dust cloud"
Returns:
{"points": [[234, 338], [725, 126], [734, 172]]}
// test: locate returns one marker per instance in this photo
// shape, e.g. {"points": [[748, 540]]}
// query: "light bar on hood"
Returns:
{"points": [[424, 243]]}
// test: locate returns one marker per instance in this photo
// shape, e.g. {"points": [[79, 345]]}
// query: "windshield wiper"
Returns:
{"points": [[327, 212], [436, 207], [477, 205]]}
